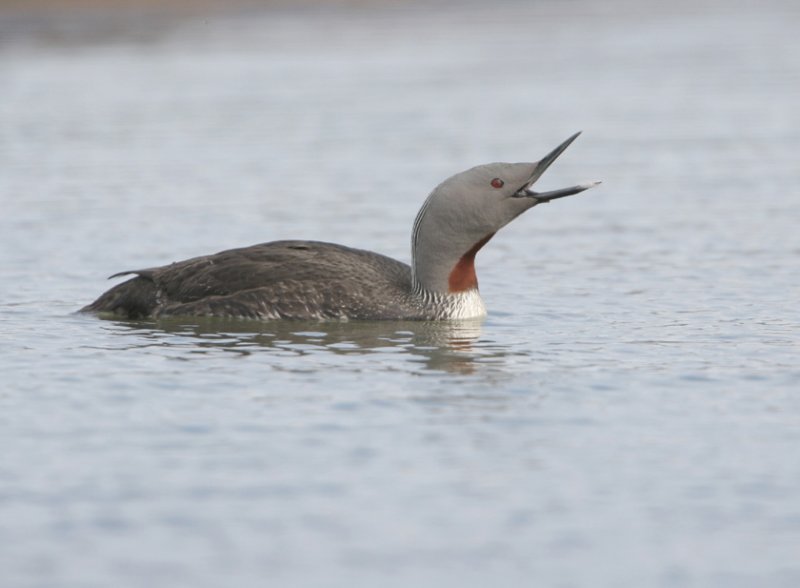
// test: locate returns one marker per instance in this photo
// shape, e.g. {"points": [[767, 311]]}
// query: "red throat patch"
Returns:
{"points": [[462, 277]]}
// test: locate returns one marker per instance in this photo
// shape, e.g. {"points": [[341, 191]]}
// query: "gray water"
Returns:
{"points": [[627, 415]]}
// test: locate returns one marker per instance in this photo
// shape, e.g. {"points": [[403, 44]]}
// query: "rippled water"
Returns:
{"points": [[627, 415]]}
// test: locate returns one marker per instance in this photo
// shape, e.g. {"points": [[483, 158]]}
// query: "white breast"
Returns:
{"points": [[464, 305]]}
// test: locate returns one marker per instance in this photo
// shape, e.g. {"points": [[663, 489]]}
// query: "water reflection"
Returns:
{"points": [[453, 346]]}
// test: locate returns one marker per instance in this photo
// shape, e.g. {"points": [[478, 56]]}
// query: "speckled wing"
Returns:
{"points": [[282, 279]]}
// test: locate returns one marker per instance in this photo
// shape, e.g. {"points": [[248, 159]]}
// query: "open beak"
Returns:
{"points": [[541, 197]]}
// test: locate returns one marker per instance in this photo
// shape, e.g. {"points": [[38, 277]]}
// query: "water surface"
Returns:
{"points": [[627, 415]]}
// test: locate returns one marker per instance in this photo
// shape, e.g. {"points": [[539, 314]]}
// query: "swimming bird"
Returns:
{"points": [[316, 280]]}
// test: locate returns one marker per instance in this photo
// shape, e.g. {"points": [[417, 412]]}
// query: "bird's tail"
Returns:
{"points": [[135, 299]]}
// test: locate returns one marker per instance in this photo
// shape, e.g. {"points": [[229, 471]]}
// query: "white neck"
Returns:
{"points": [[456, 305]]}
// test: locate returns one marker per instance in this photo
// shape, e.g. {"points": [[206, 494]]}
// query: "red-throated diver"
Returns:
{"points": [[314, 280]]}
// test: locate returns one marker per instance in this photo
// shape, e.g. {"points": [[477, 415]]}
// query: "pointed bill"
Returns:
{"points": [[548, 159], [542, 197], [541, 166]]}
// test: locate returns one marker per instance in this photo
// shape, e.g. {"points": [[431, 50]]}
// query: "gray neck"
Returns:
{"points": [[438, 242]]}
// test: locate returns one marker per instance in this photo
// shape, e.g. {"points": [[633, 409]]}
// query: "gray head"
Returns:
{"points": [[466, 210]]}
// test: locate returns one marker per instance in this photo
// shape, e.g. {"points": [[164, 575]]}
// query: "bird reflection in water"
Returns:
{"points": [[449, 346]]}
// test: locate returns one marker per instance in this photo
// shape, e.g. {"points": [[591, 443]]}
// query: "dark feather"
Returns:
{"points": [[282, 279]]}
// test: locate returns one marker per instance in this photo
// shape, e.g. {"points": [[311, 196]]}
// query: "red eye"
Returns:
{"points": [[497, 183]]}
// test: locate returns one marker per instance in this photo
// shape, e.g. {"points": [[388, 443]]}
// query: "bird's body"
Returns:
{"points": [[316, 280], [282, 279]]}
